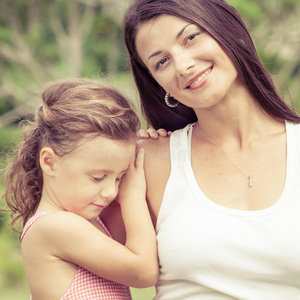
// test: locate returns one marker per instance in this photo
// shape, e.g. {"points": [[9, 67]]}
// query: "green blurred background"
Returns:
{"points": [[42, 40]]}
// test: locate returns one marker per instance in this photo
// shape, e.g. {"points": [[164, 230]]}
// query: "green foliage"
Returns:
{"points": [[248, 9], [5, 106], [12, 274], [5, 34], [11, 260], [43, 40], [142, 294], [272, 62], [8, 137]]}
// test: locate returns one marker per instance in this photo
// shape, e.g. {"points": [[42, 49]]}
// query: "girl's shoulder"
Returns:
{"points": [[52, 220], [55, 227]]}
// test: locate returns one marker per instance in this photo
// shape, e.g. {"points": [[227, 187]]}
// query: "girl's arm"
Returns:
{"points": [[112, 218]]}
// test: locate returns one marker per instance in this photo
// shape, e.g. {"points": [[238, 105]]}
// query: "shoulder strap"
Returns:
{"points": [[293, 137], [103, 226], [179, 145], [31, 221]]}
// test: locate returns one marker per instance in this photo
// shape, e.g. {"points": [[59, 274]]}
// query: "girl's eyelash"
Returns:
{"points": [[120, 178], [98, 179]]}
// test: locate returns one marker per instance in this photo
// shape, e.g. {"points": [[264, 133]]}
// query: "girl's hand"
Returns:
{"points": [[152, 133], [133, 183]]}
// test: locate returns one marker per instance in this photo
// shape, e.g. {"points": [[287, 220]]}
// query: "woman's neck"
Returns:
{"points": [[237, 118]]}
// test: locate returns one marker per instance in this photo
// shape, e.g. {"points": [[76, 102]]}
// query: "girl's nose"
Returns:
{"points": [[110, 192]]}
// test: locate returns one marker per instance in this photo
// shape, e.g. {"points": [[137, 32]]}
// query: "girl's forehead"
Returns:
{"points": [[103, 148]]}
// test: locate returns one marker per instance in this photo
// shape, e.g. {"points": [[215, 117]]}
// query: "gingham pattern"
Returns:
{"points": [[86, 285]]}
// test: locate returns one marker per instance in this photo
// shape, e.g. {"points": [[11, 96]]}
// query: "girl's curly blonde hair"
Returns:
{"points": [[72, 110]]}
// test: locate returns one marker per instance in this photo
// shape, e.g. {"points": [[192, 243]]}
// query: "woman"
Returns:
{"points": [[223, 191]]}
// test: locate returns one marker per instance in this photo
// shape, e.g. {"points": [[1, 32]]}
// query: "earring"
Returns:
{"points": [[167, 100]]}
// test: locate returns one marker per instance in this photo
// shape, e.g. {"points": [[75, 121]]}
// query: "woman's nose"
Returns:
{"points": [[184, 64]]}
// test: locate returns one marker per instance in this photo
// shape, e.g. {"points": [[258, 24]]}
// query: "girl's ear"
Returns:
{"points": [[48, 160]]}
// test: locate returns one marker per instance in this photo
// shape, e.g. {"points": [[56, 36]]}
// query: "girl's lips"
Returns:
{"points": [[198, 80], [100, 206]]}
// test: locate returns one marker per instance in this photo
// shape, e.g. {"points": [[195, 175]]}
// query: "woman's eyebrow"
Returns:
{"points": [[154, 54], [179, 34]]}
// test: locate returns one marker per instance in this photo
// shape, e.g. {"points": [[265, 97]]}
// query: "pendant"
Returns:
{"points": [[250, 181]]}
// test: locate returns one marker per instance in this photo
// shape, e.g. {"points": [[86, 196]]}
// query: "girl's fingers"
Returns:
{"points": [[162, 132], [139, 161], [152, 133], [143, 134]]}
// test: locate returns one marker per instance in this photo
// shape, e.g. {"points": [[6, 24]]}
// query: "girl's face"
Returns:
{"points": [[186, 61], [87, 180]]}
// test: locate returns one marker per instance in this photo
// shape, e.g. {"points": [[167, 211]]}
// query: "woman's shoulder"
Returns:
{"points": [[157, 152], [157, 170], [151, 144]]}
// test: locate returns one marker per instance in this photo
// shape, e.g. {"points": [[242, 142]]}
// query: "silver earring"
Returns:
{"points": [[167, 100]]}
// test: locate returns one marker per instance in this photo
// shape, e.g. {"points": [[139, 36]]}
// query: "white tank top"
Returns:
{"points": [[207, 251]]}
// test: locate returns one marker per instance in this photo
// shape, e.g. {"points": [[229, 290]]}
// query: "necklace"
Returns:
{"points": [[249, 175]]}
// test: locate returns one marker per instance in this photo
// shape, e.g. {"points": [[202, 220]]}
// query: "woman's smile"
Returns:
{"points": [[199, 80]]}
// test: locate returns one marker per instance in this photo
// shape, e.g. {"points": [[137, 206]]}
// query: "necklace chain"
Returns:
{"points": [[249, 175]]}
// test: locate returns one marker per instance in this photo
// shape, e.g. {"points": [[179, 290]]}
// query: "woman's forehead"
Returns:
{"points": [[153, 33]]}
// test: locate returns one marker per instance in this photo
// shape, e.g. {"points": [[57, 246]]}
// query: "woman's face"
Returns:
{"points": [[186, 61]]}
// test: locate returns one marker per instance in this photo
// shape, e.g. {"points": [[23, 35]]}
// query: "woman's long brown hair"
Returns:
{"points": [[225, 25]]}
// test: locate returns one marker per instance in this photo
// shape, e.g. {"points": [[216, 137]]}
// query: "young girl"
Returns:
{"points": [[67, 169]]}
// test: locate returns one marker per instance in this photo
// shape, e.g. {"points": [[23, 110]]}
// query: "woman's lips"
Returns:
{"points": [[199, 80]]}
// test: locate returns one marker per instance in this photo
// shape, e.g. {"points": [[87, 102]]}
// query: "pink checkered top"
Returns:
{"points": [[86, 285]]}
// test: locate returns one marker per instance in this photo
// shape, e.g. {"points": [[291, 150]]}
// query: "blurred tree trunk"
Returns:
{"points": [[71, 37], [70, 22]]}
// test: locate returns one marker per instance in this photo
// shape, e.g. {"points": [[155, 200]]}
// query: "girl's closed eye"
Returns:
{"points": [[98, 179], [118, 179]]}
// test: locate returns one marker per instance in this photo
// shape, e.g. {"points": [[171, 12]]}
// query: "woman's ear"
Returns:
{"points": [[48, 160]]}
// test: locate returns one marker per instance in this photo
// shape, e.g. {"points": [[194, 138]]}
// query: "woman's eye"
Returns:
{"points": [[191, 37], [160, 63]]}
